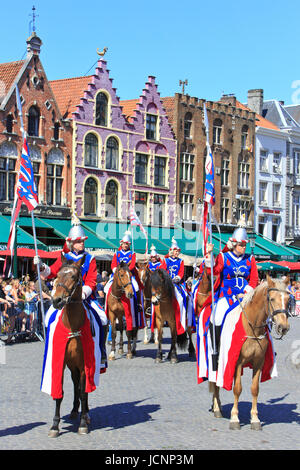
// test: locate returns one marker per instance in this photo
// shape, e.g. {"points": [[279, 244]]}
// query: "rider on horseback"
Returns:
{"points": [[237, 273], [154, 261]]}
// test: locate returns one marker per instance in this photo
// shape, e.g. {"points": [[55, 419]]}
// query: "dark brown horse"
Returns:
{"points": [[67, 295], [121, 286], [144, 273], [269, 301], [162, 296]]}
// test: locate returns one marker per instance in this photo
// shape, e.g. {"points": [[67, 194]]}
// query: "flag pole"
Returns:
{"points": [[19, 106], [131, 224], [215, 352]]}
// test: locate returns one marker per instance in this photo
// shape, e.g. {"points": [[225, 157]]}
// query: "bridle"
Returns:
{"points": [[121, 286], [270, 314], [71, 291]]}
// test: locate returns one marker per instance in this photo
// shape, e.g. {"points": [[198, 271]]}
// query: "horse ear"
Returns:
{"points": [[287, 280], [270, 281], [81, 260], [62, 257]]}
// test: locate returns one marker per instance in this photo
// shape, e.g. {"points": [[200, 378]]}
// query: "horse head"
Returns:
{"points": [[278, 300], [161, 286], [68, 283], [123, 277], [143, 271]]}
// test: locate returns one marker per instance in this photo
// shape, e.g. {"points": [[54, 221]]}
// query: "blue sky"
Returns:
{"points": [[219, 46]]}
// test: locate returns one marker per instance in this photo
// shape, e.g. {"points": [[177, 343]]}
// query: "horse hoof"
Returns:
{"points": [[129, 356], [256, 426], [121, 352], [218, 414], [73, 415], [234, 426], [83, 430], [158, 360], [174, 360], [111, 357], [53, 433]]}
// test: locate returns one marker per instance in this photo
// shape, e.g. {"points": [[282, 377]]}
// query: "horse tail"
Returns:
{"points": [[182, 341]]}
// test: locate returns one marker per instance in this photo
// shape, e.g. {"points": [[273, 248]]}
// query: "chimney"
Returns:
{"points": [[229, 99], [255, 100], [34, 44]]}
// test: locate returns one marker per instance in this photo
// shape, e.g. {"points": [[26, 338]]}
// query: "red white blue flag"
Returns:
{"points": [[209, 189], [134, 220], [26, 187]]}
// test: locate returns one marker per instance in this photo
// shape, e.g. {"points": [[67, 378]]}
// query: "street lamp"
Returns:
{"points": [[252, 237]]}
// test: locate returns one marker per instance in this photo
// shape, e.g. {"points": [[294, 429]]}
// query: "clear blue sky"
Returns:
{"points": [[219, 46]]}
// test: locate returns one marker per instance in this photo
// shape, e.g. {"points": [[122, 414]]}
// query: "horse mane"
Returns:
{"points": [[161, 276], [279, 283], [123, 265]]}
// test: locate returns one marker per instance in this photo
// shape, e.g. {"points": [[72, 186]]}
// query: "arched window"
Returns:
{"points": [[9, 123], [217, 131], [112, 154], [101, 110], [187, 125], [90, 197], [111, 199], [33, 121], [91, 150]]}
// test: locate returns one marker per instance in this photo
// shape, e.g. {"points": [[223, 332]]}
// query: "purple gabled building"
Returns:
{"points": [[122, 150]]}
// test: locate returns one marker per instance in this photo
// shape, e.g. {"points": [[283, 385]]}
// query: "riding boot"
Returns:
{"points": [[217, 335]]}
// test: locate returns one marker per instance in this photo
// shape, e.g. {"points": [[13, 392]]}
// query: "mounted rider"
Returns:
{"points": [[155, 261], [175, 268], [74, 250]]}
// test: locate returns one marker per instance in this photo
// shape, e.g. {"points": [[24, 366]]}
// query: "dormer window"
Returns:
{"points": [[151, 121], [101, 110], [33, 121], [9, 123]]}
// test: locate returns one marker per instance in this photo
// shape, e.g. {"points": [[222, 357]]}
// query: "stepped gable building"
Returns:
{"points": [[232, 139], [123, 151], [48, 135]]}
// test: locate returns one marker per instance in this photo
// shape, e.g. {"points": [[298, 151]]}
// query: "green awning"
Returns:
{"points": [[24, 239], [269, 266]]}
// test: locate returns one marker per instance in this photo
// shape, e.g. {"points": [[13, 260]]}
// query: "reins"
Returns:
{"points": [[120, 287], [71, 291]]}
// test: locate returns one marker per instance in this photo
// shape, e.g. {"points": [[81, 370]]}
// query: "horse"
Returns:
{"points": [[144, 276], [121, 286], [162, 295], [268, 302], [67, 295]]}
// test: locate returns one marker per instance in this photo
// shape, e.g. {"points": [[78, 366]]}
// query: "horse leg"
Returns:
{"points": [[134, 340], [255, 422], [112, 355], [131, 337], [146, 339], [121, 342], [216, 403], [54, 430], [159, 325], [191, 347], [75, 378], [237, 390], [172, 356], [84, 416]]}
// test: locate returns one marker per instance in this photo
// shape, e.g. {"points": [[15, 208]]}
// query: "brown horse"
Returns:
{"points": [[121, 286], [144, 273], [269, 301], [162, 294], [67, 295]]}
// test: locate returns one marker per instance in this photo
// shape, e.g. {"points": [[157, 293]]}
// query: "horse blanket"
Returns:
{"points": [[135, 318], [179, 303], [232, 339], [93, 342]]}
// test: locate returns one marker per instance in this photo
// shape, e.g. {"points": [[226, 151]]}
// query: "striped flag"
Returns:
{"points": [[134, 220], [26, 187], [209, 189]]}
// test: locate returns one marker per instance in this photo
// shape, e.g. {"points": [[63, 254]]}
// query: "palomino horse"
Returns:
{"points": [[67, 294], [144, 276], [268, 302], [162, 296], [121, 285]]}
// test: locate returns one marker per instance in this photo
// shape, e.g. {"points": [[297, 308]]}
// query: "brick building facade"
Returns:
{"points": [[232, 140], [48, 136]]}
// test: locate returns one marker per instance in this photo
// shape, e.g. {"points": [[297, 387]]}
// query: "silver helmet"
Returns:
{"points": [[239, 235], [76, 233], [127, 237], [153, 251]]}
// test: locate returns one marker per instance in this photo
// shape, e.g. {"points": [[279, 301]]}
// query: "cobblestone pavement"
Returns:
{"points": [[143, 405]]}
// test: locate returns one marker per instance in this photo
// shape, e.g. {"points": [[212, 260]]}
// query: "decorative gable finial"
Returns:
{"points": [[103, 52]]}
